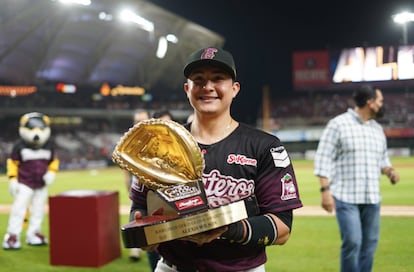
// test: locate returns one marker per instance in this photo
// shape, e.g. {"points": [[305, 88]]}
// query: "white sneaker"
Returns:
{"points": [[11, 241], [36, 239], [135, 254]]}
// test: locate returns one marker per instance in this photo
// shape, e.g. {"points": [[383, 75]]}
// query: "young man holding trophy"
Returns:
{"points": [[244, 176]]}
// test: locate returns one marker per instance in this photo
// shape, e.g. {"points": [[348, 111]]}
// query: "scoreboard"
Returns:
{"points": [[336, 69]]}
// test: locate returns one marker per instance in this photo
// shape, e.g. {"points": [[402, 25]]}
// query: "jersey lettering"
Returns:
{"points": [[221, 189], [29, 154]]}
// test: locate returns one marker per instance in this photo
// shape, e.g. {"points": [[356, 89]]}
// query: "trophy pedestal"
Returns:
{"points": [[84, 228]]}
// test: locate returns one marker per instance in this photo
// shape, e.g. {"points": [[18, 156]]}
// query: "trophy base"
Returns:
{"points": [[156, 229]]}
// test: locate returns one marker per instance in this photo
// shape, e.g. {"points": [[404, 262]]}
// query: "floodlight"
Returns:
{"points": [[403, 18], [105, 16], [172, 38], [78, 2], [129, 16], [162, 47]]}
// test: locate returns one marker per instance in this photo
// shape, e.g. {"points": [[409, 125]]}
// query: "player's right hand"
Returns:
{"points": [[13, 187], [206, 237]]}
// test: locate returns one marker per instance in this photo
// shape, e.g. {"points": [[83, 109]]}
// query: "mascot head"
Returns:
{"points": [[34, 129]]}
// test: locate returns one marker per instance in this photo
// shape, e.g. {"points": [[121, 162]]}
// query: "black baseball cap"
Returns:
{"points": [[211, 56]]}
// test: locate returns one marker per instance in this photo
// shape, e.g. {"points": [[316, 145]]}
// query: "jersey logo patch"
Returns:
{"points": [[209, 53], [280, 157], [288, 188]]}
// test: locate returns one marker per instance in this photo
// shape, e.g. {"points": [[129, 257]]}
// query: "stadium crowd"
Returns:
{"points": [[316, 109], [90, 143]]}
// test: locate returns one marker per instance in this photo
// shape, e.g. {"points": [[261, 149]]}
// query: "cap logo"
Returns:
{"points": [[209, 53]]}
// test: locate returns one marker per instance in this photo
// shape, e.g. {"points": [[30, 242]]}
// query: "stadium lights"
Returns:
{"points": [[172, 38], [162, 47], [78, 2], [403, 18], [163, 44], [130, 16], [105, 16]]}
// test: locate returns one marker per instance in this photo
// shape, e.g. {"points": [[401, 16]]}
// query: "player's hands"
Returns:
{"points": [[137, 216], [49, 177], [199, 239], [327, 201], [13, 187], [205, 237]]}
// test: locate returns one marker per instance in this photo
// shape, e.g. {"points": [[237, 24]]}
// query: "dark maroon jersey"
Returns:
{"points": [[33, 163], [248, 161]]}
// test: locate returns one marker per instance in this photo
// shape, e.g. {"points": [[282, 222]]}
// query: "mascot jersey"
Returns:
{"points": [[30, 164], [248, 161]]}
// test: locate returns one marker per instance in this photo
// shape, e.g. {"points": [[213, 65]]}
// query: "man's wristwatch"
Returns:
{"points": [[324, 188]]}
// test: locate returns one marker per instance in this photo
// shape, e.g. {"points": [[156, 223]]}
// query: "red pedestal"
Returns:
{"points": [[84, 228]]}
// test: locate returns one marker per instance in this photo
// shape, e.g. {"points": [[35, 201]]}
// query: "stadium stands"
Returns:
{"points": [[101, 121]]}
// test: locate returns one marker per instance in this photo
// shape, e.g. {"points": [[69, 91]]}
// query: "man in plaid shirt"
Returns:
{"points": [[351, 156]]}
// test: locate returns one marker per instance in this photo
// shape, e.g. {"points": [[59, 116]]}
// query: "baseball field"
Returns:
{"points": [[313, 246]]}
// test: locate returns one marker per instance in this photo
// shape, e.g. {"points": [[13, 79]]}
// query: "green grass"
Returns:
{"points": [[38, 259], [400, 194], [313, 246], [315, 242]]}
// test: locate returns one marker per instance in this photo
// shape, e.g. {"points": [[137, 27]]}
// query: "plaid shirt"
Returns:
{"points": [[351, 154]]}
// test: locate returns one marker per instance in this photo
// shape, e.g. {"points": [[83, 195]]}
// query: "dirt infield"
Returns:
{"points": [[304, 211]]}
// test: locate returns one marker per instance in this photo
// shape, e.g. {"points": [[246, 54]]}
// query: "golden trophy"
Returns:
{"points": [[165, 157]]}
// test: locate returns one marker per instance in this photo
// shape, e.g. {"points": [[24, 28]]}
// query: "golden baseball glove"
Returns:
{"points": [[160, 153]]}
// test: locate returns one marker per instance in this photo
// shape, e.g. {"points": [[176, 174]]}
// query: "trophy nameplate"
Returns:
{"points": [[157, 229]]}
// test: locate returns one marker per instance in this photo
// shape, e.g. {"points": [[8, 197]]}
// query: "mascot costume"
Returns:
{"points": [[31, 167]]}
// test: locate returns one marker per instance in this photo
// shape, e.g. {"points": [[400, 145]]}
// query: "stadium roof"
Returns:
{"points": [[46, 41]]}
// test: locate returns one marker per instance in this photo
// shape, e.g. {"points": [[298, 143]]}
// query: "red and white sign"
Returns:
{"points": [[311, 68]]}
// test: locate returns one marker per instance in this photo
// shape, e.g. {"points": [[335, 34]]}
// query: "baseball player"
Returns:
{"points": [[240, 161]]}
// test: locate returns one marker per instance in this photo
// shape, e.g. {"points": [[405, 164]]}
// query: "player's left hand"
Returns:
{"points": [[49, 177], [138, 215], [205, 237], [199, 238]]}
